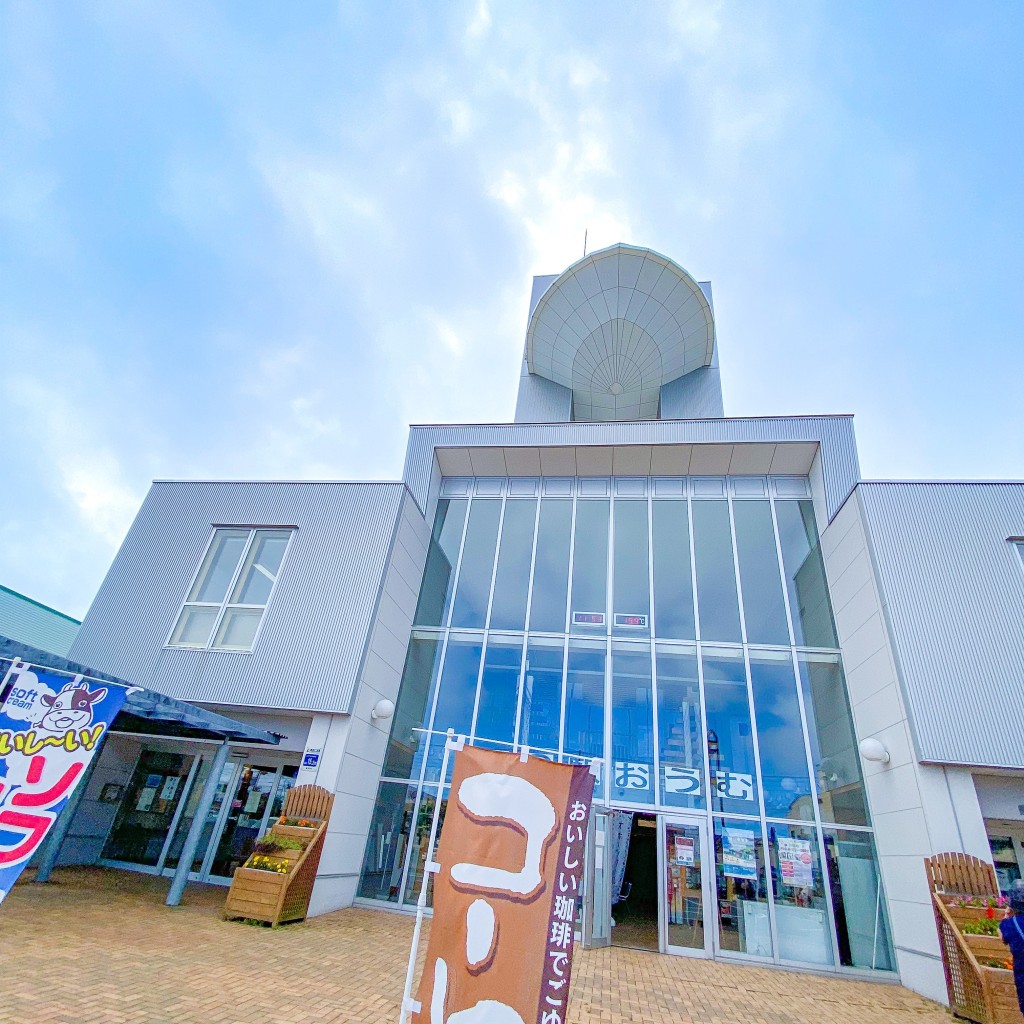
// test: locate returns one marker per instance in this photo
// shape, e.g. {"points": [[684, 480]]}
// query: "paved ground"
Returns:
{"points": [[99, 947]]}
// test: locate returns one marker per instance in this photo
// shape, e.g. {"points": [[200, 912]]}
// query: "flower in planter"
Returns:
{"points": [[298, 822], [262, 863]]}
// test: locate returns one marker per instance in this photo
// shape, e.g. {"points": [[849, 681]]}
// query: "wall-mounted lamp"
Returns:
{"points": [[383, 709], [874, 750]]}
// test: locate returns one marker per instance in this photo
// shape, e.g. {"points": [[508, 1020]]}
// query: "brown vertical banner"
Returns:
{"points": [[505, 897]]}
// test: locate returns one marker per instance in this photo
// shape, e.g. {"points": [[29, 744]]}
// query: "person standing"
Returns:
{"points": [[1011, 929]]}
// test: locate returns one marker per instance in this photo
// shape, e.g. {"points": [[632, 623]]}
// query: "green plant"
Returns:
{"points": [[1003, 965], [992, 902], [986, 926], [261, 863], [271, 844], [298, 822]]}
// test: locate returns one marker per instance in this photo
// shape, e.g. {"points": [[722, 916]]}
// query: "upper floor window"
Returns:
{"points": [[226, 602], [1018, 543]]}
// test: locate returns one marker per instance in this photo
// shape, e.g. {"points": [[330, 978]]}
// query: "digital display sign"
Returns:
{"points": [[633, 621], [588, 618]]}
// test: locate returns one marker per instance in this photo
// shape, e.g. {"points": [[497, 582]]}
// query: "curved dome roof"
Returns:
{"points": [[615, 327]]}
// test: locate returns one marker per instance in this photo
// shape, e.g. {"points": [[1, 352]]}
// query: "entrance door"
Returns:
{"points": [[245, 820], [686, 895]]}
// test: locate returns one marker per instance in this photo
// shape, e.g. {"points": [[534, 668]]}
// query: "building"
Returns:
{"points": [[717, 609], [29, 622]]}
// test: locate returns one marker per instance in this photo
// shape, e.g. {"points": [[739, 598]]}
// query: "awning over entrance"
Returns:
{"points": [[144, 711]]}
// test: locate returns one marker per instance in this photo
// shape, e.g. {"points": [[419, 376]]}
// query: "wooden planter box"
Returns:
{"points": [[275, 897], [987, 947], [1003, 995], [961, 915]]}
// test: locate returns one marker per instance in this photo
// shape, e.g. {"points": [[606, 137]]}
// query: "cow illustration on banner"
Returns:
{"points": [[508, 883], [51, 725]]}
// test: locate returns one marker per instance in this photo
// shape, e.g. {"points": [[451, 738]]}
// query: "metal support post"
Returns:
{"points": [[188, 851]]}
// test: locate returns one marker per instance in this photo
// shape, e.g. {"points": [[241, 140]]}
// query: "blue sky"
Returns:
{"points": [[258, 239]]}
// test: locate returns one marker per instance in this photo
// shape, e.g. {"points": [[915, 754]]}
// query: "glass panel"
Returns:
{"points": [[542, 694], [420, 840], [730, 742], [834, 751], [551, 566], [805, 575], [780, 737], [194, 626], [673, 584], [584, 699], [474, 586], [386, 842], [685, 894], [801, 912], [284, 783], [680, 736], [764, 608], [632, 724], [238, 629], [456, 696], [590, 566], [716, 577], [512, 581], [413, 709], [743, 924], [219, 566], [261, 567], [499, 689], [146, 811], [242, 827], [442, 557], [861, 926], [221, 793], [632, 604], [1004, 857]]}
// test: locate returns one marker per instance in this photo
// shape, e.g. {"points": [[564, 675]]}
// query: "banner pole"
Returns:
{"points": [[429, 867]]}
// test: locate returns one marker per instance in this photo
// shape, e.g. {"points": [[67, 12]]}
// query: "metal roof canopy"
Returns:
{"points": [[144, 711], [615, 327]]}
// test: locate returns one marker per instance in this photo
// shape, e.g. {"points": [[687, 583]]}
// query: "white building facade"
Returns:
{"points": [[717, 610]]}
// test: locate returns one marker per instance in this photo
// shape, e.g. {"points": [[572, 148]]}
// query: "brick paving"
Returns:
{"points": [[99, 947]]}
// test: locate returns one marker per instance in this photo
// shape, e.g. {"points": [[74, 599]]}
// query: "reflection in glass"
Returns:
{"points": [[386, 842], [801, 912], [834, 751], [261, 567], [584, 698], [474, 586], [673, 583], [542, 694], [717, 603], [420, 840], [632, 603], [512, 580], [456, 694], [780, 737], [632, 777], [590, 562], [805, 575], [764, 608], [442, 557], [743, 923], [413, 709], [219, 566], [685, 897], [551, 566], [680, 739], [499, 690], [729, 739], [857, 900]]}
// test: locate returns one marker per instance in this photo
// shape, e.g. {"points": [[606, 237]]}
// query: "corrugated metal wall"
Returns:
{"points": [[32, 623], [310, 647], [833, 433], [953, 590]]}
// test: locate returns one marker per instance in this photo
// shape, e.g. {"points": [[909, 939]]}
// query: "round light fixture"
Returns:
{"points": [[874, 750], [383, 709]]}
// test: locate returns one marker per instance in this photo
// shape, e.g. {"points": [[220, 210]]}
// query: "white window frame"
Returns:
{"points": [[225, 604]]}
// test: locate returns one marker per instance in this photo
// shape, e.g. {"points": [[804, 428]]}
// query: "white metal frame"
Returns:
{"points": [[664, 813], [225, 604]]}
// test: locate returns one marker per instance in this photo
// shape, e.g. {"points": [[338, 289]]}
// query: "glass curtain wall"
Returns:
{"points": [[686, 643]]}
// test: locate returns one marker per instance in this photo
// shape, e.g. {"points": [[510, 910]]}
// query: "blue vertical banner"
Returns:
{"points": [[51, 727]]}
